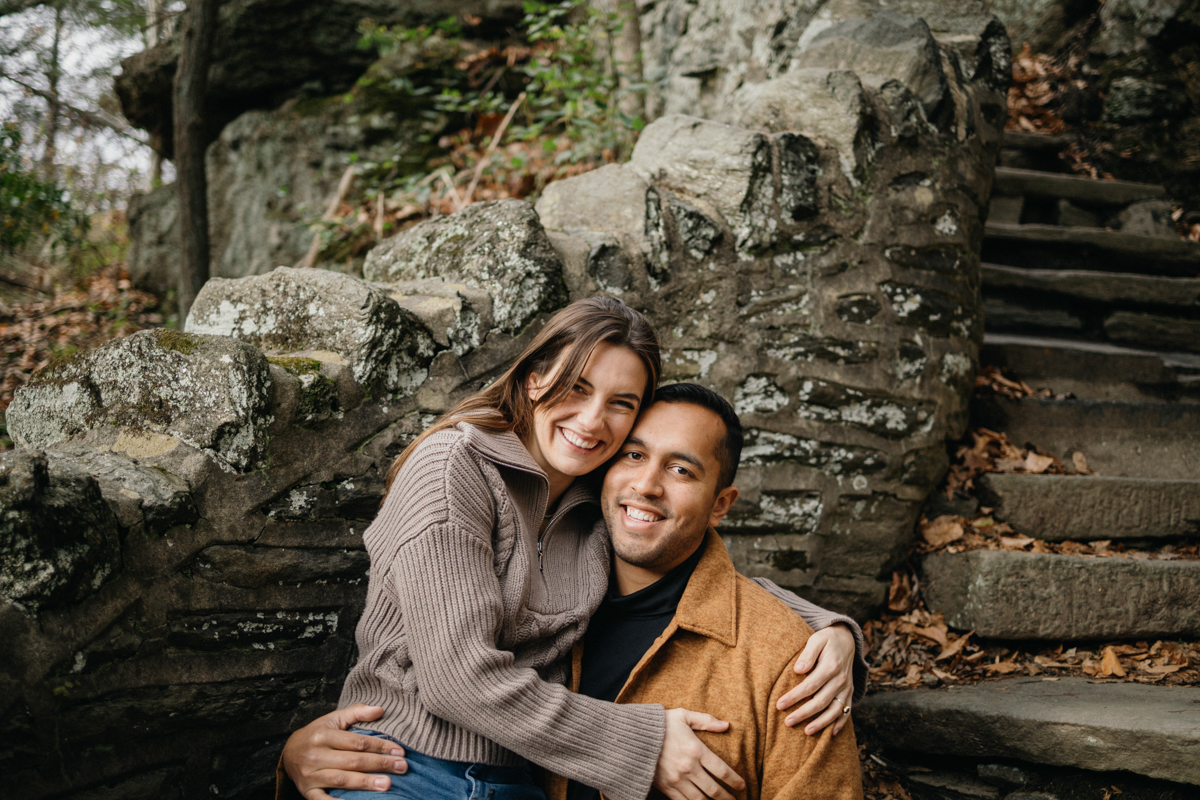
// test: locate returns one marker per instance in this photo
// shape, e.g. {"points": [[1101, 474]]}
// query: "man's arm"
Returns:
{"points": [[822, 767]]}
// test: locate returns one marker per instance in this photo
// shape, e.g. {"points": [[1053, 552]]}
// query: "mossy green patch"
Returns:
{"points": [[297, 365], [178, 341]]}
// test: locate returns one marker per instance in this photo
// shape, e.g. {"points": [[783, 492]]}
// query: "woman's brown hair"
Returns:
{"points": [[569, 337]]}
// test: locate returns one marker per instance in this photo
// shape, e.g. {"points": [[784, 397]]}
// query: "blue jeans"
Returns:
{"points": [[430, 778]]}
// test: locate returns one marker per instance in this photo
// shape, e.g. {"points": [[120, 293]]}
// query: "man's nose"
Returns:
{"points": [[646, 481]]}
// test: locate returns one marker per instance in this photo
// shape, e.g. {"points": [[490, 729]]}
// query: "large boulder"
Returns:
{"points": [[499, 247], [209, 392], [290, 311]]}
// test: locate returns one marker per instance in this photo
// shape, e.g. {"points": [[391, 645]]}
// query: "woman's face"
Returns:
{"points": [[586, 428]]}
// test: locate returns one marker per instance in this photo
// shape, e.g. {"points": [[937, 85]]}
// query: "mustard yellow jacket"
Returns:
{"points": [[729, 652]]}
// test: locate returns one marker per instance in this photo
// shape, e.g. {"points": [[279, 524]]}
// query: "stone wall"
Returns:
{"points": [[181, 561]]}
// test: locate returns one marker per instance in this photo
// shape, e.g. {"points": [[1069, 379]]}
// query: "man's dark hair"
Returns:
{"points": [[729, 453]]}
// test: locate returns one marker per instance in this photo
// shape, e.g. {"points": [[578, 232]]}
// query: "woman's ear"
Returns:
{"points": [[534, 386]]}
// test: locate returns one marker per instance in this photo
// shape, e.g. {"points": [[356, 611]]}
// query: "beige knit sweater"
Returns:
{"points": [[467, 630]]}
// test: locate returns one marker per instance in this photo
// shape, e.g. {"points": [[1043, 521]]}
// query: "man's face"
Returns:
{"points": [[660, 493]]}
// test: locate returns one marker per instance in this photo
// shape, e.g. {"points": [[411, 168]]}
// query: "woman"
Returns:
{"points": [[487, 558]]}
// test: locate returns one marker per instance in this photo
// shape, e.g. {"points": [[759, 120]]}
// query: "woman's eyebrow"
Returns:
{"points": [[630, 395]]}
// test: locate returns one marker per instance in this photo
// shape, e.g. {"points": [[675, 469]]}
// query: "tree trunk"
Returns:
{"points": [[628, 51], [53, 110], [191, 184]]}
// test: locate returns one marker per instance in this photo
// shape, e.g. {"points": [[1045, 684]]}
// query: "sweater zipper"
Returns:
{"points": [[542, 535]]}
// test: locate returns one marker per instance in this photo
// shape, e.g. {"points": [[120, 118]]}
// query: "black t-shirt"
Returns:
{"points": [[620, 633]]}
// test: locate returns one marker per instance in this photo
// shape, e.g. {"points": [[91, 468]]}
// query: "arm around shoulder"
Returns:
{"points": [[795, 766]]}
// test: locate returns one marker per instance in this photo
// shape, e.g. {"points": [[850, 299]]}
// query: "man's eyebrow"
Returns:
{"points": [[629, 395], [678, 455]]}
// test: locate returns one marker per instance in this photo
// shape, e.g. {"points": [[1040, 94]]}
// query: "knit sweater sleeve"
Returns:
{"points": [[443, 573], [819, 619]]}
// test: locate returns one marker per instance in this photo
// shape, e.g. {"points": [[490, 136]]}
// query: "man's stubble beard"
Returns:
{"points": [[665, 550]]}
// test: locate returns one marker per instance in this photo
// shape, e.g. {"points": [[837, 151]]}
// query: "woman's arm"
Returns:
{"points": [[836, 654]]}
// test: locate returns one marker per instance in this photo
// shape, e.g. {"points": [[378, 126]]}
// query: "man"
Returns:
{"points": [[681, 628]]}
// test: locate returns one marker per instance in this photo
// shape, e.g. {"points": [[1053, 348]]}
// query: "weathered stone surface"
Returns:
{"points": [[729, 167], [886, 46], [1090, 507], [1012, 182], [499, 247], [1002, 594], [1099, 287], [312, 310], [1149, 730], [58, 538], [147, 500], [1136, 440], [1154, 331], [1148, 218], [458, 316], [825, 103], [209, 392], [153, 257]]}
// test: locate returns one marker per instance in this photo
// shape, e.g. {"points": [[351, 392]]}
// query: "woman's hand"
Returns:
{"points": [[323, 754], [830, 655], [686, 769]]}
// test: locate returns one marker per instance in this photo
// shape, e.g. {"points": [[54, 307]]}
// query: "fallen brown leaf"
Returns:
{"points": [[1037, 463], [954, 648], [1110, 664], [943, 530]]}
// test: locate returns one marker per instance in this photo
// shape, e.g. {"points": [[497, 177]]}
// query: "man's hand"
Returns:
{"points": [[830, 655], [324, 755], [686, 769]]}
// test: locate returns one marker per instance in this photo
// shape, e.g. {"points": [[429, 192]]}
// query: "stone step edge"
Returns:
{"points": [[1017, 182], [1185, 361], [1013, 595], [1088, 285], [1057, 508], [1131, 244], [1070, 722]]}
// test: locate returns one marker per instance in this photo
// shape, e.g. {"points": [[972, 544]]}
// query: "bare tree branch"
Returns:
{"points": [[88, 117]]}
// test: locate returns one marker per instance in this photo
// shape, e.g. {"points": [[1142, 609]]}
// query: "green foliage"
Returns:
{"points": [[571, 83], [30, 206]]}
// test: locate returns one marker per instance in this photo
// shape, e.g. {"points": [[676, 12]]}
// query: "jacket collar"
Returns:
{"points": [[505, 448], [709, 604]]}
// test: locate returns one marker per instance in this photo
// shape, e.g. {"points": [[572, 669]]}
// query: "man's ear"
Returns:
{"points": [[725, 499]]}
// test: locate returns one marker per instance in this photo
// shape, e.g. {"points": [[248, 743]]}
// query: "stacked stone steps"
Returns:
{"points": [[1145, 493], [1103, 319], [1087, 259]]}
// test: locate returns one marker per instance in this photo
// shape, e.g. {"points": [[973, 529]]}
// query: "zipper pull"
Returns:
{"points": [[539, 555]]}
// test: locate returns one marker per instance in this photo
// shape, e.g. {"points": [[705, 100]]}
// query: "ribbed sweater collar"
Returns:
{"points": [[505, 449]]}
